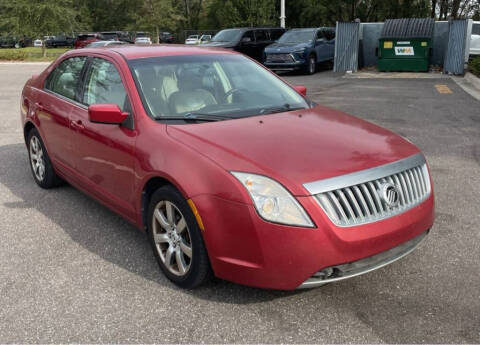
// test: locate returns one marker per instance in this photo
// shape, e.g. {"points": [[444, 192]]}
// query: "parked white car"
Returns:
{"points": [[475, 40], [143, 40], [192, 39], [205, 39], [38, 43]]}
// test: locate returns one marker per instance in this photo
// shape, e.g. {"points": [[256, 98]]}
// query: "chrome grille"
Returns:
{"points": [[279, 58], [361, 202]]}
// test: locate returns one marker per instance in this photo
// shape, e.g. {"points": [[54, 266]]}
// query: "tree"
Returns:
{"points": [[34, 18], [154, 15]]}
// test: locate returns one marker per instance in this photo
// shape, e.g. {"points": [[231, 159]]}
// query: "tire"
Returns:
{"points": [[311, 67], [40, 164], [187, 265]]}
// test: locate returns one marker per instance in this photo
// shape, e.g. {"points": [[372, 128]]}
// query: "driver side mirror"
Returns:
{"points": [[246, 40], [106, 113], [300, 89]]}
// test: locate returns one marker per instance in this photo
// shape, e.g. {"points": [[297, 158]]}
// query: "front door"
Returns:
{"points": [[104, 153]]}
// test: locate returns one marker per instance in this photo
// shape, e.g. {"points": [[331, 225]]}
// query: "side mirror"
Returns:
{"points": [[106, 113], [300, 89], [246, 40]]}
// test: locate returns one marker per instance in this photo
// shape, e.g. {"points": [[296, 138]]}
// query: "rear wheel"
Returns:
{"points": [[40, 163], [176, 239]]}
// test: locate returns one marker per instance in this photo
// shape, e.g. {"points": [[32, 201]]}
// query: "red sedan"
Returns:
{"points": [[230, 170]]}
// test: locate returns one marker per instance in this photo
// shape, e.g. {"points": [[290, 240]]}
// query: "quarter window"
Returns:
{"points": [[104, 86], [64, 80]]}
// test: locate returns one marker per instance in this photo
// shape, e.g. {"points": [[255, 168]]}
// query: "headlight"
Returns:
{"points": [[300, 51], [273, 202]]}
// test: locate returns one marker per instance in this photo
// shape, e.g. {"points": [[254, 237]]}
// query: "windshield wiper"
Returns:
{"points": [[284, 108], [197, 117]]}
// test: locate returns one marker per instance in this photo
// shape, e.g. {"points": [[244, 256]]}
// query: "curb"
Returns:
{"points": [[473, 79]]}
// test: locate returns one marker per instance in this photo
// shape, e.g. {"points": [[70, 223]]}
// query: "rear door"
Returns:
{"points": [[54, 105], [104, 153]]}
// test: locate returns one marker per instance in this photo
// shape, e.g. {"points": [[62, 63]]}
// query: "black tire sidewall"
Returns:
{"points": [[309, 71], [200, 268]]}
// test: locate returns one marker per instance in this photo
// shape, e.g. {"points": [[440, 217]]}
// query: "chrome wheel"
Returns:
{"points": [[37, 158], [172, 238]]}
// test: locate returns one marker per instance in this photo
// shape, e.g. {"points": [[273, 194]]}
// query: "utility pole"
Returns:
{"points": [[282, 13]]}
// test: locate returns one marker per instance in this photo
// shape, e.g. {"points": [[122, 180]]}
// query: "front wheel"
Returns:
{"points": [[312, 65], [176, 239]]}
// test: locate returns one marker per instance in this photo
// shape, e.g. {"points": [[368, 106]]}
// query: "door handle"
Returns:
{"points": [[77, 125], [39, 106]]}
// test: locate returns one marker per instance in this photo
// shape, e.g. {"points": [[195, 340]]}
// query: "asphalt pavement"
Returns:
{"points": [[72, 271]]}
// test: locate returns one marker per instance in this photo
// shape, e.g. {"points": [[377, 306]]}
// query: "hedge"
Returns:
{"points": [[474, 66]]}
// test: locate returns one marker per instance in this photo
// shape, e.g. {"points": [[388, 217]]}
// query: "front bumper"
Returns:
{"points": [[278, 66], [362, 266], [247, 250]]}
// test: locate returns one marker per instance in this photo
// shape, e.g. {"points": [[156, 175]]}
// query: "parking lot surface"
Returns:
{"points": [[72, 271]]}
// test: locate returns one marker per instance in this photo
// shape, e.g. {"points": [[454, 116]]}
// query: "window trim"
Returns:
{"points": [[80, 80], [130, 120]]}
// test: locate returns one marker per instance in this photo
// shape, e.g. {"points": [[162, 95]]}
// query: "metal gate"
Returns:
{"points": [[455, 55], [346, 47]]}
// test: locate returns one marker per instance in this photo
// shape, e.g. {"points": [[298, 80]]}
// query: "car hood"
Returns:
{"points": [[285, 47], [220, 44], [295, 147]]}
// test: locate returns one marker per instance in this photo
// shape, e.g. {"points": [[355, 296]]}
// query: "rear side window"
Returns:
{"points": [[103, 85], [64, 80], [261, 35]]}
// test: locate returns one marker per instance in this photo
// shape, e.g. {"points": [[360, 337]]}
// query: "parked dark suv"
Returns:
{"points": [[249, 41], [115, 36], [60, 41], [301, 49]]}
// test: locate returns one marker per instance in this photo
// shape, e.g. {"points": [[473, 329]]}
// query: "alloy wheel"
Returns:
{"points": [[312, 65], [37, 158], [172, 238]]}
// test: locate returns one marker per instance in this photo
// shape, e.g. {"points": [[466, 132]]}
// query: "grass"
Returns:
{"points": [[31, 54]]}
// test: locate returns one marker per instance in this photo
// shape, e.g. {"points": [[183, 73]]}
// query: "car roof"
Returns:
{"points": [[132, 52]]}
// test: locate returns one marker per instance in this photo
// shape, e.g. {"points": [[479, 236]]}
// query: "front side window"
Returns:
{"points": [[215, 85], [64, 80], [248, 37], [103, 85]]}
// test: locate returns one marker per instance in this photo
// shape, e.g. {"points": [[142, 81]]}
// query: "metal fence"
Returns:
{"points": [[455, 54], [346, 47]]}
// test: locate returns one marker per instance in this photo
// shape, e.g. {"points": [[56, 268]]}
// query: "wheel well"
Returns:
{"points": [[150, 187], [26, 130]]}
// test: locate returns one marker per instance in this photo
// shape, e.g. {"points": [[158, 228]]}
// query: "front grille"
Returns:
{"points": [[364, 202], [280, 58]]}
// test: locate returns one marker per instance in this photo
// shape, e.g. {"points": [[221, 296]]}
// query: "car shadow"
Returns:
{"points": [[104, 233]]}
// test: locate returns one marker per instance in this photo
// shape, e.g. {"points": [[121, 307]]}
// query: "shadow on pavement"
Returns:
{"points": [[105, 233]]}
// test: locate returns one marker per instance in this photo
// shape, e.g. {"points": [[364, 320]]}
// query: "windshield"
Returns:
{"points": [[229, 35], [297, 36], [211, 85]]}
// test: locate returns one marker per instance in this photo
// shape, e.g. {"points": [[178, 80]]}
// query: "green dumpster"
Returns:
{"points": [[405, 45]]}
